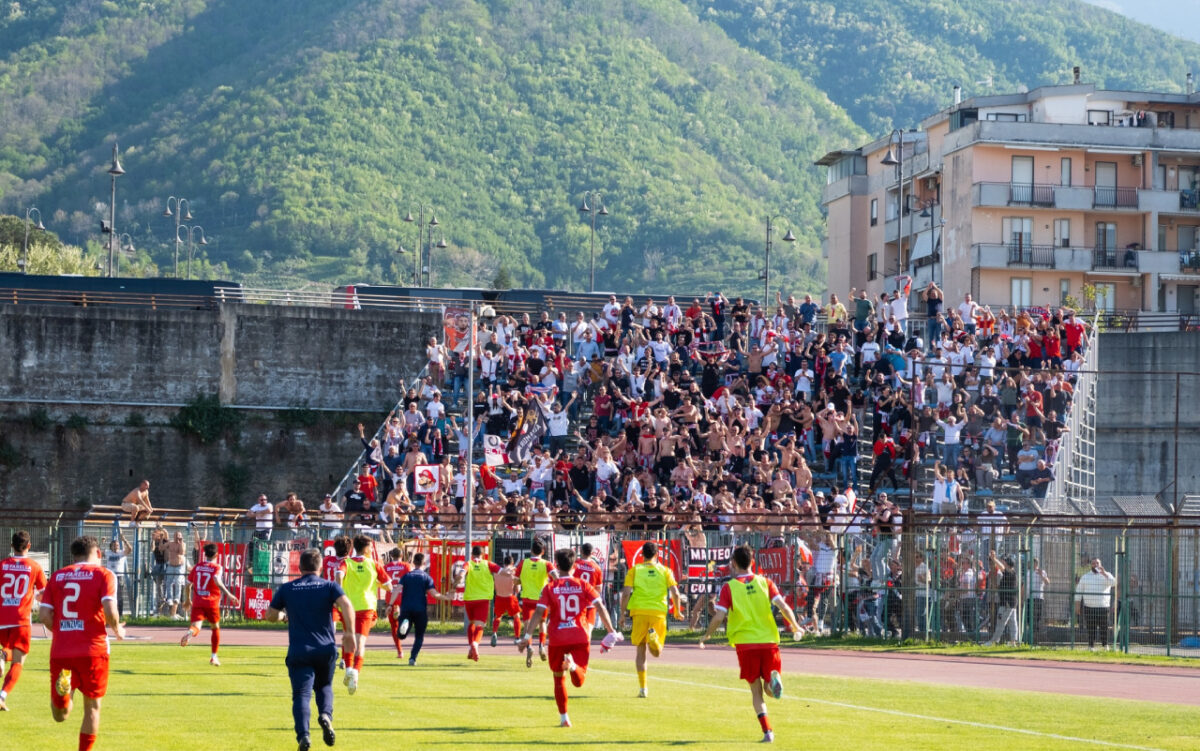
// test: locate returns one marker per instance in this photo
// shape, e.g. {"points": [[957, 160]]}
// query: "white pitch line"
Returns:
{"points": [[910, 715]]}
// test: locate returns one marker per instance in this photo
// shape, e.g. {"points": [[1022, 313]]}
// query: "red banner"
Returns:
{"points": [[668, 554], [777, 565], [231, 557], [256, 602]]}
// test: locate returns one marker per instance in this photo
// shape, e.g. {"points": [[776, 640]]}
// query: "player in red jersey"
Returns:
{"points": [[21, 580], [562, 605], [396, 568], [204, 590], [362, 582], [333, 568], [589, 572], [80, 604]]}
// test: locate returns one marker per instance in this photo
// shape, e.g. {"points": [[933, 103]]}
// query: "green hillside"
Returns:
{"points": [[303, 133]]}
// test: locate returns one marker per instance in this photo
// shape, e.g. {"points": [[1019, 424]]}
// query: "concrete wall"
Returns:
{"points": [[252, 355], [1136, 427]]}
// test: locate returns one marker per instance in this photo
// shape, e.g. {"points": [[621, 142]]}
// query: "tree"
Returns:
{"points": [[503, 279]]}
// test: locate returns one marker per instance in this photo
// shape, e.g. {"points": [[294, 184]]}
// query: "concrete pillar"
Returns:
{"points": [[228, 384]]}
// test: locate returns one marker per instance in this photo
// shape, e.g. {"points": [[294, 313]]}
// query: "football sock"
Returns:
{"points": [[516, 626], [86, 742], [495, 624], [560, 694], [216, 639], [10, 680], [194, 631], [577, 676], [358, 662], [764, 722], [346, 660], [541, 638], [641, 678]]}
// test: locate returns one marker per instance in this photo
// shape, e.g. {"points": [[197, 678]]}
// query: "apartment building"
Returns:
{"points": [[1023, 199]]}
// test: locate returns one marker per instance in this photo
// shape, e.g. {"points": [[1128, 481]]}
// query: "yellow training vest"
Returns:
{"points": [[361, 584], [750, 619], [534, 575], [651, 582], [480, 583]]}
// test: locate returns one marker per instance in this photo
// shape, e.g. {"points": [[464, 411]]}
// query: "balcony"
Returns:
{"points": [[1125, 259], [1189, 262], [1014, 194], [1189, 200], [1033, 256], [1115, 198]]}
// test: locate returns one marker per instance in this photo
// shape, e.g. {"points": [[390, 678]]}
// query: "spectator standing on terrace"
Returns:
{"points": [[436, 354], [116, 560], [1006, 614], [1093, 601], [263, 514], [176, 572], [331, 516], [934, 300], [158, 567], [290, 514], [136, 503]]}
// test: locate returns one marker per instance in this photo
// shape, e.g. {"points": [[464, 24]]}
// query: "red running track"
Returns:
{"points": [[1172, 685]]}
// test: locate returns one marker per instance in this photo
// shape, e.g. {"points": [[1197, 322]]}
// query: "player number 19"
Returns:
{"points": [[569, 605]]}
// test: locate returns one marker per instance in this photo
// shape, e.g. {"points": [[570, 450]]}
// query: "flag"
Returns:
{"points": [[493, 451], [427, 479], [521, 448]]}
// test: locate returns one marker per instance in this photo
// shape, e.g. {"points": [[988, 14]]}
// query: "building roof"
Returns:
{"points": [[834, 156], [1139, 505]]}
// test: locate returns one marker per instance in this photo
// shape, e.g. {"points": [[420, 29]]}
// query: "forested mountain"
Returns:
{"points": [[302, 133]]}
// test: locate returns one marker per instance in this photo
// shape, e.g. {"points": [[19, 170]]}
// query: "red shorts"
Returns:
{"points": [[527, 608], [758, 661], [581, 652], [89, 675], [477, 610], [363, 621], [205, 611], [15, 637], [507, 606]]}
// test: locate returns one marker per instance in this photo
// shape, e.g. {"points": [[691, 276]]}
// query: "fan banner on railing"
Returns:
{"points": [[776, 565], [707, 569], [493, 450], [456, 327], [256, 602], [668, 554], [427, 479], [599, 543]]}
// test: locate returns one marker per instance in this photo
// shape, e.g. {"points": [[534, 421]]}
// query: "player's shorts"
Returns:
{"points": [[363, 621], [477, 610], [527, 609], [644, 624], [580, 652], [16, 637], [507, 606], [205, 612], [758, 662], [89, 675]]}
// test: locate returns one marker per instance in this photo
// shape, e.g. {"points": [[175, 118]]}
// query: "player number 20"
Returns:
{"points": [[569, 605], [14, 586]]}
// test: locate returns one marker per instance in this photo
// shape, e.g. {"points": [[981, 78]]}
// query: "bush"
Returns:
{"points": [[235, 479], [298, 416], [205, 418], [77, 422], [39, 419], [135, 420]]}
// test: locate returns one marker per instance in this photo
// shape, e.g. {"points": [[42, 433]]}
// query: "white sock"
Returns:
{"points": [[563, 717], [3, 695]]}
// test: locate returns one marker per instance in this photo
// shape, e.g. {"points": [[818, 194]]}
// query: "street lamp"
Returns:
{"points": [[116, 170], [182, 213], [596, 208], [24, 262], [125, 243], [191, 236], [766, 273], [420, 255], [896, 159]]}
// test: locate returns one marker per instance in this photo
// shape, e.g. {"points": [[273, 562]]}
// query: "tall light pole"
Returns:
{"points": [[191, 237], [24, 262], [116, 170], [895, 158], [420, 264], [596, 208], [183, 213], [125, 242], [766, 273]]}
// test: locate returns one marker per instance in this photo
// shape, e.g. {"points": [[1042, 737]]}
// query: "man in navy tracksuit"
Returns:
{"points": [[312, 650]]}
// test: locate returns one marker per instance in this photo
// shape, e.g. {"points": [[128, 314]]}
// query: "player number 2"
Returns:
{"points": [[14, 587], [72, 596], [569, 605]]}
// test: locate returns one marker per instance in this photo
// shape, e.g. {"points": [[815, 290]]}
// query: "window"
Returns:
{"points": [[1007, 117], [1106, 235], [1162, 238], [873, 267], [1062, 233], [874, 211], [1064, 291], [1022, 179], [1099, 117], [1064, 172], [1106, 296], [1022, 292], [1018, 231]]}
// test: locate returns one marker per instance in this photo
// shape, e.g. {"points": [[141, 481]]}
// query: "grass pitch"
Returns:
{"points": [[164, 697]]}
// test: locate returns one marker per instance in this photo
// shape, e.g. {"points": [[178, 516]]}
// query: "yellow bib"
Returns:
{"points": [[534, 576], [651, 582], [361, 583], [480, 584], [750, 619]]}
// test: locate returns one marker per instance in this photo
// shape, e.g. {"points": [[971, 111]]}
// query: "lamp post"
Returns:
{"points": [[441, 245], [24, 262], [182, 213], [116, 170], [895, 158], [766, 272], [125, 243], [191, 236], [419, 256], [596, 208]]}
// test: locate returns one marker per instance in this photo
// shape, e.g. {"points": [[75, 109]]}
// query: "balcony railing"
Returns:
{"points": [[1111, 258], [1034, 256], [1030, 194], [1115, 198], [1189, 261], [1189, 200]]}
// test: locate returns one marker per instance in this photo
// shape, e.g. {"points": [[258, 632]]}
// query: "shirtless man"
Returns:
{"points": [[289, 513], [176, 551], [137, 503]]}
